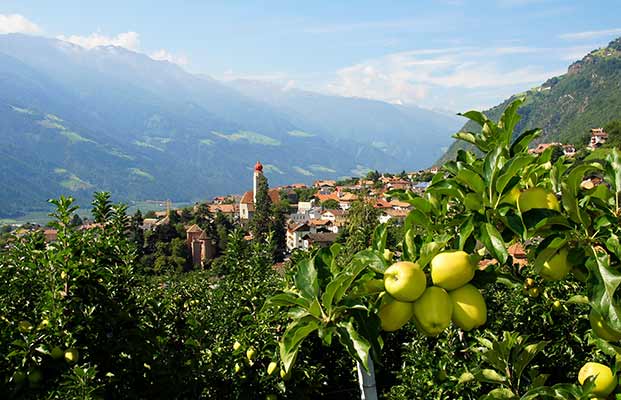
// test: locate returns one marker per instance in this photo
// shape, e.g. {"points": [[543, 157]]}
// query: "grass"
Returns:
{"points": [[248, 136], [74, 183], [53, 122], [147, 145], [298, 133], [142, 174]]}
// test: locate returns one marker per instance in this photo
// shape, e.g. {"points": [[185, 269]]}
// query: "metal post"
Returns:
{"points": [[368, 389]]}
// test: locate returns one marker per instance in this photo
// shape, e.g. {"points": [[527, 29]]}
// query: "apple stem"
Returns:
{"points": [[368, 390]]}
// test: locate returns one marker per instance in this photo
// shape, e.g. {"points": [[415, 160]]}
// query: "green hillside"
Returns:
{"points": [[567, 106]]}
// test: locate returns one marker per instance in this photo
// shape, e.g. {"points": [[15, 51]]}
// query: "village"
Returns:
{"points": [[317, 213]]}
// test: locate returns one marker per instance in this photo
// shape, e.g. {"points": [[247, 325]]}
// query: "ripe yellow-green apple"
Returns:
{"points": [[285, 376], [553, 264], [57, 353], [271, 368], [605, 381], [250, 353], [530, 282], [394, 314], [44, 324], [24, 326], [236, 346], [72, 356], [405, 281], [537, 198], [601, 328], [556, 305], [469, 309], [237, 367], [452, 269], [433, 311], [534, 292]]}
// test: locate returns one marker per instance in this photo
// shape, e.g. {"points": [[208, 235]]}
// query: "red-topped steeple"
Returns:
{"points": [[258, 167]]}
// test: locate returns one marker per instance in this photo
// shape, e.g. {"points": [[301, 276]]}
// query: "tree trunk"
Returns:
{"points": [[368, 390]]}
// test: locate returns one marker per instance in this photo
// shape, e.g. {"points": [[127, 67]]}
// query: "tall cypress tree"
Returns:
{"points": [[260, 224]]}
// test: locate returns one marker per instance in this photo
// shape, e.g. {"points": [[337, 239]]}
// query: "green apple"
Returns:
{"points": [[405, 281], [605, 381], [57, 353], [469, 309], [394, 314], [237, 367], [236, 346], [433, 310], [537, 198], [601, 328], [251, 353], [72, 356], [35, 376], [24, 326], [19, 377], [271, 368], [552, 264], [452, 269]]}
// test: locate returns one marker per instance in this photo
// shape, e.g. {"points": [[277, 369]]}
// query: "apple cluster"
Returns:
{"points": [[450, 298]]}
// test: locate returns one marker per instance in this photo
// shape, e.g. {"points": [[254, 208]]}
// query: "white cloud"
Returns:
{"points": [[423, 76], [590, 34], [164, 55], [128, 40], [16, 23]]}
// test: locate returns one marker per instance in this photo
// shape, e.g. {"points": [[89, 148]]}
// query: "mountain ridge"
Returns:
{"points": [[75, 120]]}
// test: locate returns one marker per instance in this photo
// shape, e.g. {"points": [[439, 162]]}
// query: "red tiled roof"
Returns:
{"points": [[248, 197]]}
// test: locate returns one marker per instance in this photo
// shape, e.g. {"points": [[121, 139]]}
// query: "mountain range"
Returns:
{"points": [[566, 107], [76, 120]]}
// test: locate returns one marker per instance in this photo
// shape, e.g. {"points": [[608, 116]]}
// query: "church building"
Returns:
{"points": [[246, 204]]}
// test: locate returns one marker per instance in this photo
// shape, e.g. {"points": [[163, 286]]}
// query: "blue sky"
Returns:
{"points": [[447, 54]]}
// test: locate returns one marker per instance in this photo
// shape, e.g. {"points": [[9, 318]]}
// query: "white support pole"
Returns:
{"points": [[368, 389]]}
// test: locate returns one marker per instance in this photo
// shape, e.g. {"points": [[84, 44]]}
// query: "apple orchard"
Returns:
{"points": [[442, 311]]}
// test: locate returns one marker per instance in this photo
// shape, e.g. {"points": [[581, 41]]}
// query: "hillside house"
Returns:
{"points": [[202, 248], [398, 216], [337, 217], [295, 233], [321, 239], [598, 138]]}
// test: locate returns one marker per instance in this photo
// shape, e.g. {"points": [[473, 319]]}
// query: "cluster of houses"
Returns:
{"points": [[598, 138], [318, 221]]}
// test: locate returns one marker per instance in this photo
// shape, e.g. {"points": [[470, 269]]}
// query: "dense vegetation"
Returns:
{"points": [[79, 320]]}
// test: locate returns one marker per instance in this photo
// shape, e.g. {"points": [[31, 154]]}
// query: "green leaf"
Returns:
{"points": [[500, 393], [306, 278], [521, 143], [511, 169], [491, 238], [470, 179], [526, 356], [475, 116], [370, 259], [379, 238], [409, 246], [465, 231], [340, 284], [510, 118], [285, 300], [605, 281], [356, 345], [490, 376], [429, 251], [291, 340]]}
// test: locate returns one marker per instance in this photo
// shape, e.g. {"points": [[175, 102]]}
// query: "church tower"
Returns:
{"points": [[258, 170]]}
